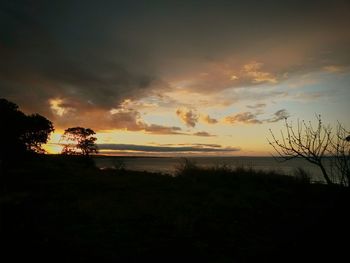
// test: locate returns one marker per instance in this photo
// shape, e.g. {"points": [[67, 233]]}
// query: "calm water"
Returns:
{"points": [[168, 165]]}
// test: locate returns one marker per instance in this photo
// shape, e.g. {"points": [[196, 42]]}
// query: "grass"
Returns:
{"points": [[58, 208]]}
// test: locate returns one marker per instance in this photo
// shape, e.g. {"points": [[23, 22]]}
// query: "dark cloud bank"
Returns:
{"points": [[165, 149], [95, 54]]}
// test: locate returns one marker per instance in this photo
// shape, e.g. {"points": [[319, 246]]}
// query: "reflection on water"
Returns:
{"points": [[168, 165]]}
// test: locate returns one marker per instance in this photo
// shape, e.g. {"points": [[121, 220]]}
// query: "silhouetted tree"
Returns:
{"points": [[37, 131], [79, 141], [315, 144], [21, 133], [341, 154], [12, 128]]}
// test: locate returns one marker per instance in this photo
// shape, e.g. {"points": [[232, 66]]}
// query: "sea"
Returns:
{"points": [[169, 165]]}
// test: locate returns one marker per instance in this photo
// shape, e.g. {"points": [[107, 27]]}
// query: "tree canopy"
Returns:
{"points": [[79, 140], [320, 145], [21, 133]]}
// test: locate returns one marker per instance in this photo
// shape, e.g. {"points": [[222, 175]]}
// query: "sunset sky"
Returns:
{"points": [[177, 77]]}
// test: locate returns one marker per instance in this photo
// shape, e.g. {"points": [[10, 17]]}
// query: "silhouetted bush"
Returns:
{"points": [[186, 167], [302, 175]]}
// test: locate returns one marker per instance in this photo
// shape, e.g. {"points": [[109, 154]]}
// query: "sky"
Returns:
{"points": [[175, 78]]}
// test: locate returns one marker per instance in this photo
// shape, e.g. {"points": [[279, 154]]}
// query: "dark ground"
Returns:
{"points": [[61, 209]]}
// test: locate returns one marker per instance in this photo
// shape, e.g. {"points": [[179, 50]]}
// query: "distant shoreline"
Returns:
{"points": [[178, 157]]}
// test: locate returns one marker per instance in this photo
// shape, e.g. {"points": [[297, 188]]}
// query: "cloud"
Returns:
{"points": [[244, 117], [203, 134], [209, 120], [257, 106], [210, 145], [128, 119], [121, 118], [131, 120], [97, 56], [164, 149], [310, 96], [159, 129], [334, 69], [42, 61], [58, 107], [188, 116], [303, 81], [251, 118], [221, 75], [253, 71], [279, 115]]}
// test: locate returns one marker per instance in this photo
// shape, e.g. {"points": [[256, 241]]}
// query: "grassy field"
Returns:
{"points": [[63, 209]]}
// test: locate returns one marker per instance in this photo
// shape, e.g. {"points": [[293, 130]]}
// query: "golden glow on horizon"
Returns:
{"points": [[53, 146], [250, 145]]}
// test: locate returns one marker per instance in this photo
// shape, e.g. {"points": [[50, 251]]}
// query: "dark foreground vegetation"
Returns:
{"points": [[61, 208]]}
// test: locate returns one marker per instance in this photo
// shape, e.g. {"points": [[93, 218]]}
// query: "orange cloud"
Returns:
{"points": [[253, 71], [209, 120], [244, 117], [57, 107], [203, 134], [189, 117], [120, 118]]}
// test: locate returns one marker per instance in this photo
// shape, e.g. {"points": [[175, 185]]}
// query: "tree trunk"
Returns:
{"points": [[325, 175]]}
